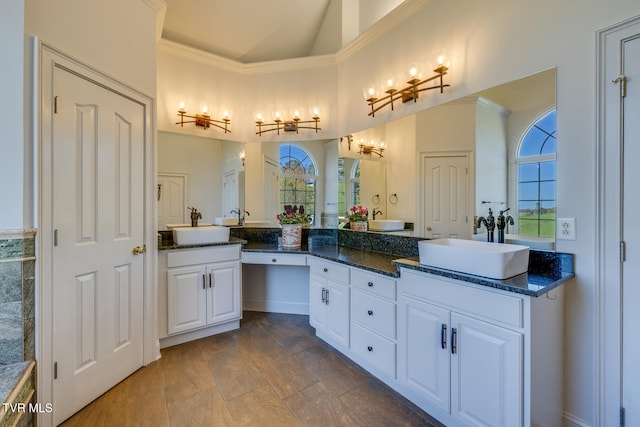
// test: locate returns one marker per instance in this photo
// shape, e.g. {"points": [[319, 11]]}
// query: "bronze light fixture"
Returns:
{"points": [[371, 147], [292, 125], [410, 92], [204, 120]]}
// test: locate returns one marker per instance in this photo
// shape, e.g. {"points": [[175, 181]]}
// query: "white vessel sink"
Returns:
{"points": [[200, 224], [539, 243], [493, 260], [228, 221], [386, 224], [199, 235]]}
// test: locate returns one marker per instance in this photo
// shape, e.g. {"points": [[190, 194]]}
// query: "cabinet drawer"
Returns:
{"points": [[374, 313], [329, 269], [460, 297], [203, 256], [375, 349], [375, 283], [273, 258]]}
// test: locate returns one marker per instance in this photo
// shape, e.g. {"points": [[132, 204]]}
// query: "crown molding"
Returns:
{"points": [[380, 28], [207, 58], [159, 7]]}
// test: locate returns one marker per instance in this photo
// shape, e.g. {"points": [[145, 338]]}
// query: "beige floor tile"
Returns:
{"points": [[261, 407]]}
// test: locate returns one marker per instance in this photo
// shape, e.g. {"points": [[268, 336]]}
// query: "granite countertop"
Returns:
{"points": [[531, 284], [232, 241]]}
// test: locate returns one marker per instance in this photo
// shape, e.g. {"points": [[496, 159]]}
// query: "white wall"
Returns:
{"points": [[12, 112]]}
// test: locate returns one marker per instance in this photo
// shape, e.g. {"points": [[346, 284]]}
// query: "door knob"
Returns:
{"points": [[139, 250], [428, 228]]}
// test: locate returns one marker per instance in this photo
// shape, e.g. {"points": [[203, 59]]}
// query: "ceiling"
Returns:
{"points": [[250, 31]]}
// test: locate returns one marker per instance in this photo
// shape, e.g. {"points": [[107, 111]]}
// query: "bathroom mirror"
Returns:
{"points": [[363, 182], [201, 172], [486, 129]]}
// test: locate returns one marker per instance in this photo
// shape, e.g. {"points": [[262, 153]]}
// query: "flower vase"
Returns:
{"points": [[291, 235], [359, 225]]}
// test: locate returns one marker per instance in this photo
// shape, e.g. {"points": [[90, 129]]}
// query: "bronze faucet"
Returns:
{"points": [[195, 216], [502, 223], [490, 223], [376, 212]]}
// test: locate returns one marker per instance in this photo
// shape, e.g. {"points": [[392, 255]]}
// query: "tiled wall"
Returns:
{"points": [[17, 298]]}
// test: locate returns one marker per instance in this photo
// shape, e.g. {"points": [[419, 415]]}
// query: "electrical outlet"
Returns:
{"points": [[566, 229]]}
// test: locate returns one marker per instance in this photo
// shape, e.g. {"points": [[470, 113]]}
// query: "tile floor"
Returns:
{"points": [[272, 371]]}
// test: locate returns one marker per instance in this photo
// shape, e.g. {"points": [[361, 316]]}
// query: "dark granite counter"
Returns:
{"points": [[547, 270]]}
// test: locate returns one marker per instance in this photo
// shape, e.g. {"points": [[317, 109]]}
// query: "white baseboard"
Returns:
{"points": [[276, 306]]}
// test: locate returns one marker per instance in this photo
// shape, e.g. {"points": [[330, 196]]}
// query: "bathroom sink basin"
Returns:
{"points": [[493, 260], [228, 221], [200, 224], [199, 235], [386, 224], [539, 243]]}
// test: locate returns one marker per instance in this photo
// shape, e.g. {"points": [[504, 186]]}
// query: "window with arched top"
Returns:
{"points": [[536, 163], [297, 179]]}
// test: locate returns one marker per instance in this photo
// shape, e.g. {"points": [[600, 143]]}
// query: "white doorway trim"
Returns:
{"points": [[48, 58], [608, 201]]}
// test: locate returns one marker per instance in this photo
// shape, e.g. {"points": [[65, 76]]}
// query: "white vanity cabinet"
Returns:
{"points": [[329, 301], [373, 320], [469, 355], [202, 290]]}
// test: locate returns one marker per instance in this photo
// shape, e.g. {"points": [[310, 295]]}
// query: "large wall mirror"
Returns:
{"points": [[201, 172], [446, 166]]}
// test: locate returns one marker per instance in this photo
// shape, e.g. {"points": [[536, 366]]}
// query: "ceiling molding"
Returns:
{"points": [[380, 28], [160, 9], [207, 58]]}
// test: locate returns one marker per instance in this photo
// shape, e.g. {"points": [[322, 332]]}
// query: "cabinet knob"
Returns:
{"points": [[370, 348], [370, 284], [274, 260], [325, 269], [370, 312]]}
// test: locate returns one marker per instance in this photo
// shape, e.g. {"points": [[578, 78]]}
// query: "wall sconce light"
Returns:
{"points": [[371, 147], [411, 91], [204, 120], [242, 155], [292, 125]]}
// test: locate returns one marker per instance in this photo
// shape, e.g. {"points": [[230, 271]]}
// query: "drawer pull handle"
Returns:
{"points": [[325, 269], [370, 312], [370, 284], [274, 260], [324, 295], [210, 280], [443, 336], [204, 283], [370, 348], [326, 301]]}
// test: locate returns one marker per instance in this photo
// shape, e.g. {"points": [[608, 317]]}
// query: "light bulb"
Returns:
{"points": [[225, 115], [205, 111], [181, 107]]}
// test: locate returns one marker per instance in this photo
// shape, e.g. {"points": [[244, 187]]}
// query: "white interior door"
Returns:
{"points": [[445, 190], [631, 233], [98, 218], [230, 192], [172, 204]]}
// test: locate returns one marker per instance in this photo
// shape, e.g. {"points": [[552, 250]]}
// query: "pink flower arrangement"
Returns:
{"points": [[293, 215], [358, 213]]}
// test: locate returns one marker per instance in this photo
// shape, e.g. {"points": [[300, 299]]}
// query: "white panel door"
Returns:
{"points": [[486, 373], [271, 189], [631, 233], [230, 196], [445, 190], [98, 218], [172, 203]]}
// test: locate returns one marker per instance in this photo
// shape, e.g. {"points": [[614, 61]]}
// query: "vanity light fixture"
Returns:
{"points": [[204, 120], [292, 125], [242, 155], [414, 85], [371, 147]]}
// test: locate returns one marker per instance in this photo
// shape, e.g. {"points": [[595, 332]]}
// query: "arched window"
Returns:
{"points": [[536, 162], [297, 179]]}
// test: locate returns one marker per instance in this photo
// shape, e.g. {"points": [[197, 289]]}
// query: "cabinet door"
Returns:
{"points": [[186, 298], [424, 350], [337, 301], [223, 295], [486, 374], [317, 306]]}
